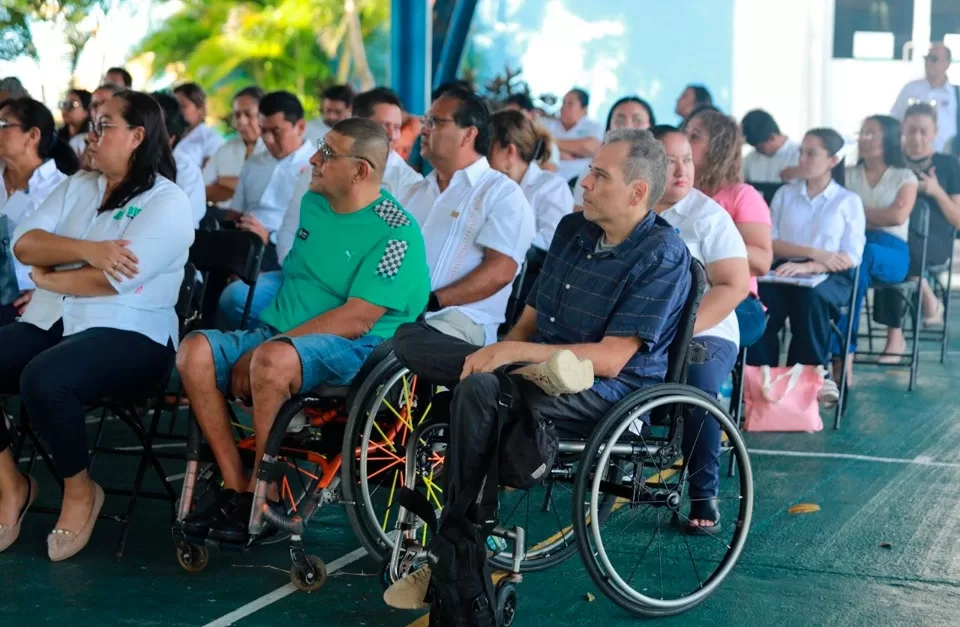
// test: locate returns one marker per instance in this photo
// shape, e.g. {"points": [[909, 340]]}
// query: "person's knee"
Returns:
{"points": [[195, 358], [407, 337], [275, 365]]}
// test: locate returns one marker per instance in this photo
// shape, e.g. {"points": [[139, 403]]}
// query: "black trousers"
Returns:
{"points": [[439, 358], [809, 311], [58, 377]]}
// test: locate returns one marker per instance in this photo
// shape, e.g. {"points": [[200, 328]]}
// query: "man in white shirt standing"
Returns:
{"points": [[775, 156], [578, 137], [267, 183], [937, 91], [476, 222], [383, 106]]}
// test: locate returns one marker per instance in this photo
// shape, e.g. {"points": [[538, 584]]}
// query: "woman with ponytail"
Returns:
{"points": [[819, 227], [519, 148], [107, 250], [33, 161]]}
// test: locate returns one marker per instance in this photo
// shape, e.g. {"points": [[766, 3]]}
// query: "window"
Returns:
{"points": [[873, 29], [945, 24]]}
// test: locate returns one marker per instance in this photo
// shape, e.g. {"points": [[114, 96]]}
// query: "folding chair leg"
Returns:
{"points": [[736, 401], [917, 323]]}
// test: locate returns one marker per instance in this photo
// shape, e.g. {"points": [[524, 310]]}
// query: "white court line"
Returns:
{"points": [[282, 592], [920, 460]]}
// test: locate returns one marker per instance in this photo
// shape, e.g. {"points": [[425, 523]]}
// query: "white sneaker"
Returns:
{"points": [[408, 593], [829, 394], [563, 373]]}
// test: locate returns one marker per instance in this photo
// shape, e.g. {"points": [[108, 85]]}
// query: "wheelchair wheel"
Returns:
{"points": [[642, 556], [381, 422]]}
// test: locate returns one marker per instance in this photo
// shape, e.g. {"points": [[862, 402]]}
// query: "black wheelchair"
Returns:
{"points": [[606, 486]]}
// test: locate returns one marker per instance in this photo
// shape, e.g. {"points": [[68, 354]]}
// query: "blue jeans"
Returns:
{"points": [[324, 359], [752, 320], [234, 297], [886, 258], [701, 432]]}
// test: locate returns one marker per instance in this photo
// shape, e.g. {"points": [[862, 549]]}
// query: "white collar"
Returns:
{"points": [[472, 172], [531, 175], [829, 192]]}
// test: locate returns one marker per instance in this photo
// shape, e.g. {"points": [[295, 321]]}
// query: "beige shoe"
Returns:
{"points": [[408, 593], [563, 373], [63, 544], [9, 535]]}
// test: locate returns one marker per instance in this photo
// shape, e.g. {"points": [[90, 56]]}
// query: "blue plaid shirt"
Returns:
{"points": [[637, 289]]}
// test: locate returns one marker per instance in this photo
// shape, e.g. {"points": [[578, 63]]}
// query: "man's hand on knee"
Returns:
{"points": [[240, 377]]}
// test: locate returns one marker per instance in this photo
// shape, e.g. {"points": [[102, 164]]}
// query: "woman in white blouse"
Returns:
{"points": [[189, 177], [713, 239], [818, 229], [33, 161], [518, 148], [200, 141], [222, 172], [888, 190], [107, 251]]}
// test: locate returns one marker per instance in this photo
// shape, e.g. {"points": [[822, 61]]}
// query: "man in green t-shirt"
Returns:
{"points": [[356, 272]]}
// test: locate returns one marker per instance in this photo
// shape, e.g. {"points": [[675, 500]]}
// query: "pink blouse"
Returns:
{"points": [[746, 206]]}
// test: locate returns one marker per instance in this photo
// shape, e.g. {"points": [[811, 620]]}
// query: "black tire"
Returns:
{"points": [[624, 413]]}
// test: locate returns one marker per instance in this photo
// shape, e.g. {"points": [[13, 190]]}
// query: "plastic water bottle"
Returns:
{"points": [[726, 392]]}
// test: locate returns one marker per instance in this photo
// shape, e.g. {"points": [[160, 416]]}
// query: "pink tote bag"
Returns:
{"points": [[782, 399]]}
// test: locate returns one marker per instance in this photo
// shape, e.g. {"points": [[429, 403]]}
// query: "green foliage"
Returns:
{"points": [[17, 15], [225, 45]]}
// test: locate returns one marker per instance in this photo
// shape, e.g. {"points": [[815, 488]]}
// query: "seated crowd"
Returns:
{"points": [[361, 248]]}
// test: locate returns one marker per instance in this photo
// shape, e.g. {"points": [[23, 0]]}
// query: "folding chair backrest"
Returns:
{"points": [[229, 252], [186, 307], [680, 348]]}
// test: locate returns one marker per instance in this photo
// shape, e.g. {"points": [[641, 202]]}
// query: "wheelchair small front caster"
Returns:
{"points": [[506, 603], [192, 557], [306, 581]]}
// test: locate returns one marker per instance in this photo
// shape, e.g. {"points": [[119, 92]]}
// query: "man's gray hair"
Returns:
{"points": [[646, 160], [370, 141]]}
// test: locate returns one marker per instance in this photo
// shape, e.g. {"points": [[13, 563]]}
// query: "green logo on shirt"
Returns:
{"points": [[133, 212], [118, 215]]}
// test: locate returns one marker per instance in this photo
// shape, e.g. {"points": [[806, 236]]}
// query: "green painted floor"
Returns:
{"points": [[890, 475]]}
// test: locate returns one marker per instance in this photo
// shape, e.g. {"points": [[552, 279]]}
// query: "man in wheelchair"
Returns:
{"points": [[356, 272], [611, 293]]}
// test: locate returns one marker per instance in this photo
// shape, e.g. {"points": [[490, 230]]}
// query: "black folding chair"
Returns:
{"points": [[132, 412], [908, 292], [845, 336], [942, 290], [220, 255]]}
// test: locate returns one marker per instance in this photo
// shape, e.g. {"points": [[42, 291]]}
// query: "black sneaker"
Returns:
{"points": [[198, 525], [234, 526]]}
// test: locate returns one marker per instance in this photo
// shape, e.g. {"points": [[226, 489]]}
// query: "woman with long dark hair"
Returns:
{"points": [[75, 110], [189, 176], [33, 161], [107, 250], [888, 190], [818, 229]]}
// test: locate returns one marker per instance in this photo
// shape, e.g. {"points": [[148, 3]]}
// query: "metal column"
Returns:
{"points": [[410, 34], [452, 26]]}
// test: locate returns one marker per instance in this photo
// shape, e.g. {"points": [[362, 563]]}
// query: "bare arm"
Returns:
{"points": [[42, 248], [583, 147], [897, 213], [222, 189], [351, 320], [759, 246], [729, 285], [492, 275], [86, 282], [525, 328], [783, 250]]}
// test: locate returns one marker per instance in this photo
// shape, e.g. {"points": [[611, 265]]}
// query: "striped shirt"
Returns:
{"points": [[635, 289]]}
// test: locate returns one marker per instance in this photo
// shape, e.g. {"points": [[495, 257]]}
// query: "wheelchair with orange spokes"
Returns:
{"points": [[618, 497]]}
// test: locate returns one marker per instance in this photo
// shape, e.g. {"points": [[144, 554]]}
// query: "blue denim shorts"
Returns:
{"points": [[324, 359]]}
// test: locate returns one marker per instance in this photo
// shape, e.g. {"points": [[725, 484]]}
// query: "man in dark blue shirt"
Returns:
{"points": [[611, 291]]}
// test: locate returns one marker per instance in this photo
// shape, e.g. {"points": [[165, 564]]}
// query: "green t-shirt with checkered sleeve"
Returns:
{"points": [[375, 254]]}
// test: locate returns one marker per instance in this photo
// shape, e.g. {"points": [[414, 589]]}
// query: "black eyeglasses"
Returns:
{"points": [[4, 124], [931, 58], [70, 104], [98, 125], [327, 153]]}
